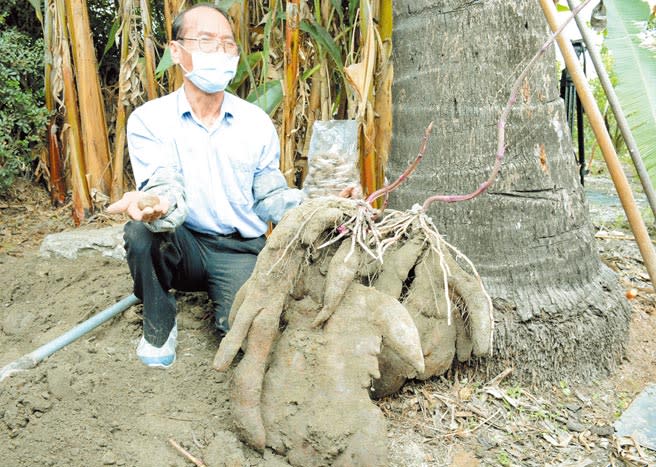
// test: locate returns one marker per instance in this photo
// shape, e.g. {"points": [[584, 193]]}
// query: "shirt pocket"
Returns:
{"points": [[240, 186]]}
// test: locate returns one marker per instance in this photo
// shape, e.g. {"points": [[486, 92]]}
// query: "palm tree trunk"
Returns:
{"points": [[559, 310]]}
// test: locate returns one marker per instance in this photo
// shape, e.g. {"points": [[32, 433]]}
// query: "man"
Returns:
{"points": [[211, 160]]}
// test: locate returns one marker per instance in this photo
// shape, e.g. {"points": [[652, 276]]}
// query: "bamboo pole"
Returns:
{"points": [[92, 109], [615, 105], [603, 138]]}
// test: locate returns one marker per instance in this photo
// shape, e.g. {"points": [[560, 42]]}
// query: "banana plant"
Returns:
{"points": [[635, 67]]}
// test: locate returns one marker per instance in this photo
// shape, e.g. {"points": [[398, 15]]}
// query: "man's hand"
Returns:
{"points": [[140, 206]]}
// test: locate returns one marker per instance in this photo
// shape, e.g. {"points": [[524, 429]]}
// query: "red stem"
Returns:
{"points": [[411, 168], [501, 125]]}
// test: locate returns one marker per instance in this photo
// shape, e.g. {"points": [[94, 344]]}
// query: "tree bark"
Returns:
{"points": [[559, 311]]}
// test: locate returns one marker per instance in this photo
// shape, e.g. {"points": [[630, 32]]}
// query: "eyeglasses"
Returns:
{"points": [[214, 45]]}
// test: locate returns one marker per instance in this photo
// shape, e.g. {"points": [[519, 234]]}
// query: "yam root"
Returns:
{"points": [[332, 368], [257, 309], [449, 305], [477, 304], [398, 264], [316, 334], [464, 344], [259, 301], [399, 330], [248, 377], [276, 270], [426, 302], [342, 272]]}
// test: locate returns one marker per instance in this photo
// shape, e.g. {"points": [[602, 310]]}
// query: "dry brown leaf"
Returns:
{"points": [[561, 440], [355, 75]]}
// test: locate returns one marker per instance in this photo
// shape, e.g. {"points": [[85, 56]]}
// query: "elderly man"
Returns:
{"points": [[211, 161]]}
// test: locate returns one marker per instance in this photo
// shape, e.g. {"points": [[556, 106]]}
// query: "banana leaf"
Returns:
{"points": [[225, 4], [635, 67], [164, 64], [323, 37], [111, 37], [267, 96], [38, 6], [245, 69]]}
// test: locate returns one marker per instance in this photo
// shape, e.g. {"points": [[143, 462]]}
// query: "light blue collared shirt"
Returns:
{"points": [[229, 172]]}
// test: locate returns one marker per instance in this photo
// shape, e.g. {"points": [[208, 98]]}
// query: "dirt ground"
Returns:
{"points": [[92, 403]]}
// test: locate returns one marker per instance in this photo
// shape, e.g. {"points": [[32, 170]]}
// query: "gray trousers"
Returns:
{"points": [[188, 261]]}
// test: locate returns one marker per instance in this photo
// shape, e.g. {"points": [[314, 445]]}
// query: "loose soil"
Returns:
{"points": [[93, 403]]}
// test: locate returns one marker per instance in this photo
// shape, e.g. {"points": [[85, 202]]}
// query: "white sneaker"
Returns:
{"points": [[159, 357]]}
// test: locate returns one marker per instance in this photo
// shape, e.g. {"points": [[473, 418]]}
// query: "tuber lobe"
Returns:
{"points": [[147, 201]]}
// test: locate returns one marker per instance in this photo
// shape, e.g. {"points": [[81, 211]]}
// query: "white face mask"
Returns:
{"points": [[212, 71]]}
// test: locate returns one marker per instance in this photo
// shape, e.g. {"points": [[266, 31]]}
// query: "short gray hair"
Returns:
{"points": [[178, 22]]}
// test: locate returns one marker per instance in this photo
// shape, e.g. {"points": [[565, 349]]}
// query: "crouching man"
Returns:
{"points": [[211, 161]]}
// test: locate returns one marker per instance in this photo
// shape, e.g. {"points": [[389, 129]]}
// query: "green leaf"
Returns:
{"points": [[111, 38], [38, 9], [245, 69], [323, 38], [225, 4], [310, 72], [337, 5], [635, 67], [164, 64], [272, 19], [267, 96], [353, 8]]}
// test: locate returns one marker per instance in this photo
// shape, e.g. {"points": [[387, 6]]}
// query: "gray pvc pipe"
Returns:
{"points": [[614, 103], [32, 359]]}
